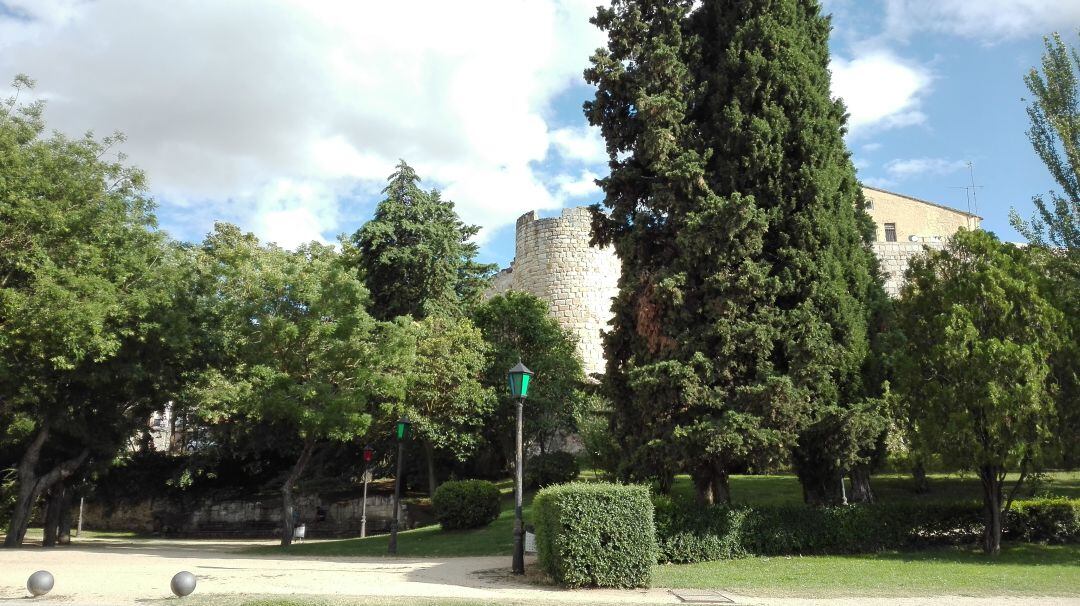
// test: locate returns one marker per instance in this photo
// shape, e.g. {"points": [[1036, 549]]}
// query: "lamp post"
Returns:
{"points": [[401, 431], [519, 378], [368, 453]]}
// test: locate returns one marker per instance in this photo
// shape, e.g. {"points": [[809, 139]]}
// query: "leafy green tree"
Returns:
{"points": [[1054, 114], [518, 326], [300, 351], [973, 367], [446, 400], [84, 277], [415, 254], [741, 326]]}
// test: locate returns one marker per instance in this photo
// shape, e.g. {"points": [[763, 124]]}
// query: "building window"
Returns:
{"points": [[869, 204], [890, 232]]}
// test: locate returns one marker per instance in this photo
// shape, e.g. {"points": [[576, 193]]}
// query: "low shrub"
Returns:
{"points": [[551, 468], [466, 504], [689, 533], [1044, 521], [595, 535]]}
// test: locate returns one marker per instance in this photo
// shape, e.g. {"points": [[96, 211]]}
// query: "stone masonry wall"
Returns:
{"points": [[894, 258], [555, 262]]}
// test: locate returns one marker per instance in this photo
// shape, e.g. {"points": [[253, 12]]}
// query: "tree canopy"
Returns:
{"points": [[741, 325], [416, 255], [973, 366]]}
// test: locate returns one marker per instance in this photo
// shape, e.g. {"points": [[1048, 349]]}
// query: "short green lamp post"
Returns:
{"points": [[401, 432], [519, 378]]}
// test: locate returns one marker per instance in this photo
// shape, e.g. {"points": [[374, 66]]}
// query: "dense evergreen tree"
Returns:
{"points": [[741, 325], [415, 255]]}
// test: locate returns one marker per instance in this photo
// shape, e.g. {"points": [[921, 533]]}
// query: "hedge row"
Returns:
{"points": [[688, 533], [595, 535]]}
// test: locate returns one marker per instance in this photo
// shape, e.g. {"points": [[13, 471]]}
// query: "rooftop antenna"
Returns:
{"points": [[969, 190]]}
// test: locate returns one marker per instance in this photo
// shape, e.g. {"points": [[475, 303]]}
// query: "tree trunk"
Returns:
{"points": [[721, 491], [24, 502], [922, 486], [991, 483], [31, 485], [53, 506], [703, 485], [287, 489], [824, 490], [64, 532], [860, 485], [429, 454]]}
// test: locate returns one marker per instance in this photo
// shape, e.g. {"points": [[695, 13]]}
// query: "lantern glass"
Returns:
{"points": [[401, 430], [519, 378]]}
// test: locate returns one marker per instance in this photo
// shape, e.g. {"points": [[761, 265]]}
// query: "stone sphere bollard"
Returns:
{"points": [[40, 583], [183, 583]]}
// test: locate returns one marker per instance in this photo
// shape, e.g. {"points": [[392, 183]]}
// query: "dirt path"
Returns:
{"points": [[134, 572]]}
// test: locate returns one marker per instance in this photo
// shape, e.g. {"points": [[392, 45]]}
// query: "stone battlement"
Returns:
{"points": [[554, 261]]}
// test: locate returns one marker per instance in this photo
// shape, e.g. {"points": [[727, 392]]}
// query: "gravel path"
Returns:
{"points": [[134, 572]]}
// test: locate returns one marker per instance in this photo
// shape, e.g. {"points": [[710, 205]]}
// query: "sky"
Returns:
{"points": [[286, 117]]}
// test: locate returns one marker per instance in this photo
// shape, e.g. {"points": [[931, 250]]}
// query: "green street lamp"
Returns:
{"points": [[401, 432], [519, 378]]}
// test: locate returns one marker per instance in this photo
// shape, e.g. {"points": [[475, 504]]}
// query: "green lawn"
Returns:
{"points": [[497, 539], [1022, 569], [431, 541]]}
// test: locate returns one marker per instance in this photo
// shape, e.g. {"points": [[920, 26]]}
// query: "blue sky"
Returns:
{"points": [[286, 116]]}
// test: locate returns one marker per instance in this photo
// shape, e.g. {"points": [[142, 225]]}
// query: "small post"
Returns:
{"points": [[400, 432], [519, 527], [78, 529], [367, 477], [519, 377], [397, 500]]}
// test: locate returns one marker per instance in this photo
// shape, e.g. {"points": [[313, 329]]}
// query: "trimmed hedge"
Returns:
{"points": [[688, 533], [595, 535], [551, 468], [466, 504], [1044, 521]]}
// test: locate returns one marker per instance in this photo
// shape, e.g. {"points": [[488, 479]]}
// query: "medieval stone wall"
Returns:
{"points": [[894, 258], [555, 262]]}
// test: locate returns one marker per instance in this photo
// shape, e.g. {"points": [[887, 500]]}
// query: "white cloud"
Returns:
{"points": [[985, 20], [585, 144], [904, 168], [578, 187], [881, 91], [267, 113]]}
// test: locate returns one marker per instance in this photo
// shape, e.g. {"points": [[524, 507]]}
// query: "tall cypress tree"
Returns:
{"points": [[741, 327], [416, 255]]}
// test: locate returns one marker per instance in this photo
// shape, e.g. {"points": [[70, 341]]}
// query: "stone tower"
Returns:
{"points": [[554, 261]]}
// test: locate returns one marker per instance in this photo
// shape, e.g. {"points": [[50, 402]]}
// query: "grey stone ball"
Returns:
{"points": [[183, 583], [40, 583]]}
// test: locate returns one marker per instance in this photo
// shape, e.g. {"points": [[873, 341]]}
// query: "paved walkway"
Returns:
{"points": [[133, 572]]}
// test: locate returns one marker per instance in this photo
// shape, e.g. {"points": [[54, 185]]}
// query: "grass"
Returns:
{"points": [[497, 539], [428, 541], [1021, 569]]}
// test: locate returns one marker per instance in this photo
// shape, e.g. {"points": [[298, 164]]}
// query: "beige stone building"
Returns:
{"points": [[554, 261]]}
